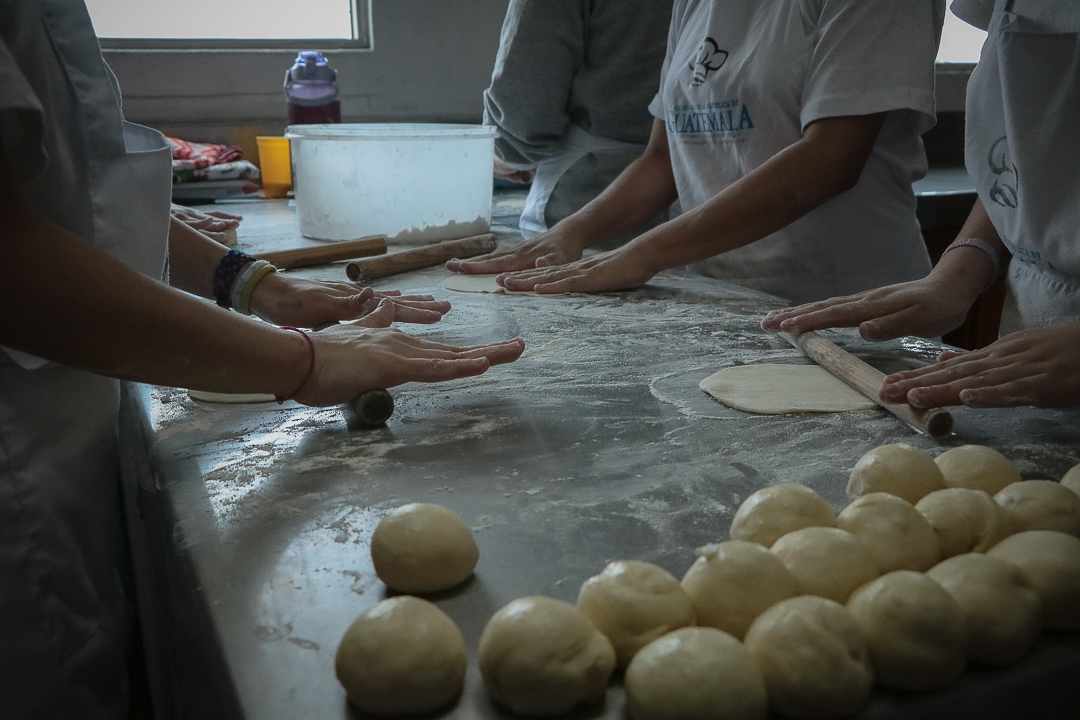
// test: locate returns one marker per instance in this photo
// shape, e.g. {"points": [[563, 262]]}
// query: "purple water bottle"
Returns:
{"points": [[311, 90]]}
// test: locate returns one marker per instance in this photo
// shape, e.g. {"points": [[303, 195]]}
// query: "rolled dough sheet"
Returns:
{"points": [[233, 398], [480, 284], [769, 389]]}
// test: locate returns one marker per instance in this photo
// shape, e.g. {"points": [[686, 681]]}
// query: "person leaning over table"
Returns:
{"points": [[570, 94], [84, 219], [789, 132], [1023, 152]]}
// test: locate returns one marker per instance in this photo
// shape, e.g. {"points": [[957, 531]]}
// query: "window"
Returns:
{"points": [[960, 43], [232, 24]]}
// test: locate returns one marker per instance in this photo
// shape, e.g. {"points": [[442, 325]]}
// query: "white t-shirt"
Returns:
{"points": [[742, 80]]}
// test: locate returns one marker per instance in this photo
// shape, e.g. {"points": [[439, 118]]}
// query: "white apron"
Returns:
{"points": [[1023, 151], [577, 143], [64, 617]]}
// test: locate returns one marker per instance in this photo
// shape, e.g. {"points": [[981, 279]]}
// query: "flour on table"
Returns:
{"points": [[230, 398], [770, 389], [480, 284]]}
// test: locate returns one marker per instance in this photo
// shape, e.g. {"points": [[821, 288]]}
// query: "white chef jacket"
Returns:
{"points": [[742, 80], [1023, 149]]}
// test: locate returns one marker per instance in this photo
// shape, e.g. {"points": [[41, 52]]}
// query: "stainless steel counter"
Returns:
{"points": [[252, 522]]}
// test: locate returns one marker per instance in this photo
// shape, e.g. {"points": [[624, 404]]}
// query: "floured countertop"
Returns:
{"points": [[596, 445]]}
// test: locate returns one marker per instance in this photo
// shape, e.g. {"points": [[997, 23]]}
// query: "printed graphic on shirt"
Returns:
{"points": [[708, 59], [1003, 191], [722, 121]]}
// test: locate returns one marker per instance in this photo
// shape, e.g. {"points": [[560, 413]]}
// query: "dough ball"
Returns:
{"points": [[1051, 560], [695, 674], [915, 628], [401, 656], [778, 510], [1041, 505], [1072, 479], [977, 467], [900, 469], [422, 548], [895, 534], [733, 582], [540, 656], [1002, 611], [814, 656], [965, 520], [633, 603], [828, 562]]}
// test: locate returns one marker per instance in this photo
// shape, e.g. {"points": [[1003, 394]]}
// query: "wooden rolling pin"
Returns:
{"points": [[371, 410], [420, 257], [330, 252], [935, 422]]}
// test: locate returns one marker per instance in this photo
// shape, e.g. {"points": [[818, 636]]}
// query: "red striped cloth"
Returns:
{"points": [[194, 156]]}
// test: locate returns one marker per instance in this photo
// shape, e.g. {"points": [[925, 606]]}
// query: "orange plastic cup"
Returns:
{"points": [[275, 166]]}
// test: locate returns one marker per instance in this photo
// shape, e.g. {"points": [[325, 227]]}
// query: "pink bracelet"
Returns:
{"points": [[981, 244], [311, 365]]}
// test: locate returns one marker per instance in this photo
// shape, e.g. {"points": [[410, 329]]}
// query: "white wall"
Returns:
{"points": [[432, 60]]}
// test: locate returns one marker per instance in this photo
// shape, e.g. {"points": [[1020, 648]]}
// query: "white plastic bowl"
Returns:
{"points": [[412, 183]]}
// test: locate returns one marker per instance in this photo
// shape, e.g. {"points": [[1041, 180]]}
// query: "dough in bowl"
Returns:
{"points": [[915, 628], [1002, 610], [814, 656], [540, 656], [774, 511], [773, 389], [977, 467], [895, 534], [828, 562], [1052, 561], [695, 674], [965, 520], [401, 656], [899, 469], [733, 582], [1041, 505], [633, 603], [423, 548]]}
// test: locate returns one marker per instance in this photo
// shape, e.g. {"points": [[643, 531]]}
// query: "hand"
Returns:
{"points": [[505, 172], [551, 248], [606, 272], [350, 360], [1030, 367], [288, 300], [923, 307], [212, 224]]}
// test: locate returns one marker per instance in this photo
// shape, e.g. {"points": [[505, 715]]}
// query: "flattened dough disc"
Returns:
{"points": [[768, 389], [480, 284]]}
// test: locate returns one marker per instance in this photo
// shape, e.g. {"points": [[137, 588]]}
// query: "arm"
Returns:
{"points": [[825, 162], [91, 311], [642, 190]]}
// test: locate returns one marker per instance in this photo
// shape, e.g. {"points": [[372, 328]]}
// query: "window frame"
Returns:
{"points": [[363, 41]]}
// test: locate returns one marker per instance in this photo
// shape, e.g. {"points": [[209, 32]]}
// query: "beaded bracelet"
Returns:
{"points": [[311, 365], [225, 275]]}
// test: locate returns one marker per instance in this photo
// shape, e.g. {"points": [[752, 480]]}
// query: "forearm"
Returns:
{"points": [[92, 312], [642, 191], [193, 257], [826, 162]]}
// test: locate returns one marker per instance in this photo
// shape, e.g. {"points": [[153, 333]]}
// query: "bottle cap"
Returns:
{"points": [[311, 80]]}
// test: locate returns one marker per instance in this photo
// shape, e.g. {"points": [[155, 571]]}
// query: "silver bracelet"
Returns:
{"points": [[981, 244], [237, 291]]}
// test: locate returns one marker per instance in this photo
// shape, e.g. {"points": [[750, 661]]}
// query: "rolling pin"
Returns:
{"points": [[935, 422], [420, 257], [372, 409], [330, 252]]}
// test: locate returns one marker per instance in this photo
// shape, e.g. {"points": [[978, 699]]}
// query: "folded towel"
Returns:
{"points": [[195, 156], [236, 170]]}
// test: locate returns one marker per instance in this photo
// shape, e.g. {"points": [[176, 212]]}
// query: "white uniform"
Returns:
{"points": [[64, 618], [1023, 148], [743, 79]]}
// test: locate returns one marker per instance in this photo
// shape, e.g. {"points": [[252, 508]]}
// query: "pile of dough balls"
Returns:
{"points": [[934, 563]]}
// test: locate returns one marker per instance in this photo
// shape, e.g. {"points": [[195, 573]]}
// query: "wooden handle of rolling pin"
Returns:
{"points": [[330, 252], [935, 422], [420, 257]]}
